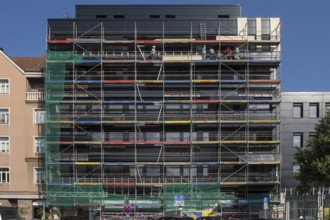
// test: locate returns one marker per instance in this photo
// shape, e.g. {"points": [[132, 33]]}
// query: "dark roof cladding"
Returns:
{"points": [[132, 12], [31, 64]]}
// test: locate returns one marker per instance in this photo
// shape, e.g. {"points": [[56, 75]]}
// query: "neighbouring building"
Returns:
{"points": [[22, 117], [160, 108], [300, 111]]}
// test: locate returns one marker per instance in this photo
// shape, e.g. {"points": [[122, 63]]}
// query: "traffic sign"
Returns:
{"points": [[178, 200], [265, 203], [127, 208]]}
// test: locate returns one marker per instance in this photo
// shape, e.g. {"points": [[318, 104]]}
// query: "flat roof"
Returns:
{"points": [[142, 11]]}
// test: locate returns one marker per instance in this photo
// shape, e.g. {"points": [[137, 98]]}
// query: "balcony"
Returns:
{"points": [[35, 96]]}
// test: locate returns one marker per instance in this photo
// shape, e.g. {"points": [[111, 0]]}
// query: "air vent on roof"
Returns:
{"points": [[170, 16], [119, 16], [101, 16], [154, 16], [223, 16]]}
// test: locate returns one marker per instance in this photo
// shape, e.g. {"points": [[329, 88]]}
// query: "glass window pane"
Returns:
{"points": [[39, 116], [297, 110], [314, 110], [186, 171], [172, 171], [205, 171], [4, 86], [265, 26], [327, 106], [39, 176], [297, 140], [39, 144], [4, 144], [4, 116], [153, 171], [252, 27], [4, 175], [295, 168]]}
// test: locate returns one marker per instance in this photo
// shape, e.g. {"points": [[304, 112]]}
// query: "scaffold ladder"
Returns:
{"points": [[202, 28]]}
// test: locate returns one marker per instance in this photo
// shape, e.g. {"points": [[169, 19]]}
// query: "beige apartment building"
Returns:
{"points": [[21, 133]]}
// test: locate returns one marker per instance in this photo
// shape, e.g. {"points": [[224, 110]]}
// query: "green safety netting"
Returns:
{"points": [[57, 64], [197, 197]]}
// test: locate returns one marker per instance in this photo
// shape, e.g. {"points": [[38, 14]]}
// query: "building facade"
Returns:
{"points": [[300, 111], [21, 133], [163, 108]]}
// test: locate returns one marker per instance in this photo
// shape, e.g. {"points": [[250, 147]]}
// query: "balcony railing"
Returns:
{"points": [[35, 96]]}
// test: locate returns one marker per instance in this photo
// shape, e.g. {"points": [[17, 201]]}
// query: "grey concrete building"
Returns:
{"points": [[300, 111]]}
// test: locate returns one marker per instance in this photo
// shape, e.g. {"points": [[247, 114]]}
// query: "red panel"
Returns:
{"points": [[60, 41]]}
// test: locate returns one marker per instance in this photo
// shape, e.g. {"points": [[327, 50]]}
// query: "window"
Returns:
{"points": [[39, 176], [119, 16], [154, 16], [186, 171], [173, 171], [4, 116], [170, 16], [314, 110], [298, 140], [4, 144], [139, 171], [152, 171], [265, 26], [327, 106], [205, 171], [101, 16], [297, 110], [312, 135], [228, 27], [39, 144], [4, 175], [251, 26], [4, 86], [295, 168], [39, 116]]}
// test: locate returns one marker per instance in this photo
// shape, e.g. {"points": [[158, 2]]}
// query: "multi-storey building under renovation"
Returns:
{"points": [[163, 108]]}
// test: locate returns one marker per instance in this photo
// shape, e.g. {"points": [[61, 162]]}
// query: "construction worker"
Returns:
{"points": [[227, 53], [236, 53], [204, 52], [153, 52], [212, 53]]}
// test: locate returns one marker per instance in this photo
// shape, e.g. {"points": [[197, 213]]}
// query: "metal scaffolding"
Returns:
{"points": [[126, 125]]}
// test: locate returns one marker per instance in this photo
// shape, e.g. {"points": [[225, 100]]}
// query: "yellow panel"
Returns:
{"points": [[87, 163]]}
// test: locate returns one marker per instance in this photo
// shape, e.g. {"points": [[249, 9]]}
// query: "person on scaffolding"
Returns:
{"points": [[227, 53], [204, 52], [236, 53], [154, 52], [212, 54]]}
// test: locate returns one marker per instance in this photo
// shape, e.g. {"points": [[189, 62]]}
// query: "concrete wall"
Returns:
{"points": [[304, 125]]}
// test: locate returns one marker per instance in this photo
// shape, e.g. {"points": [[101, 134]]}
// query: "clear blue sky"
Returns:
{"points": [[305, 32]]}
